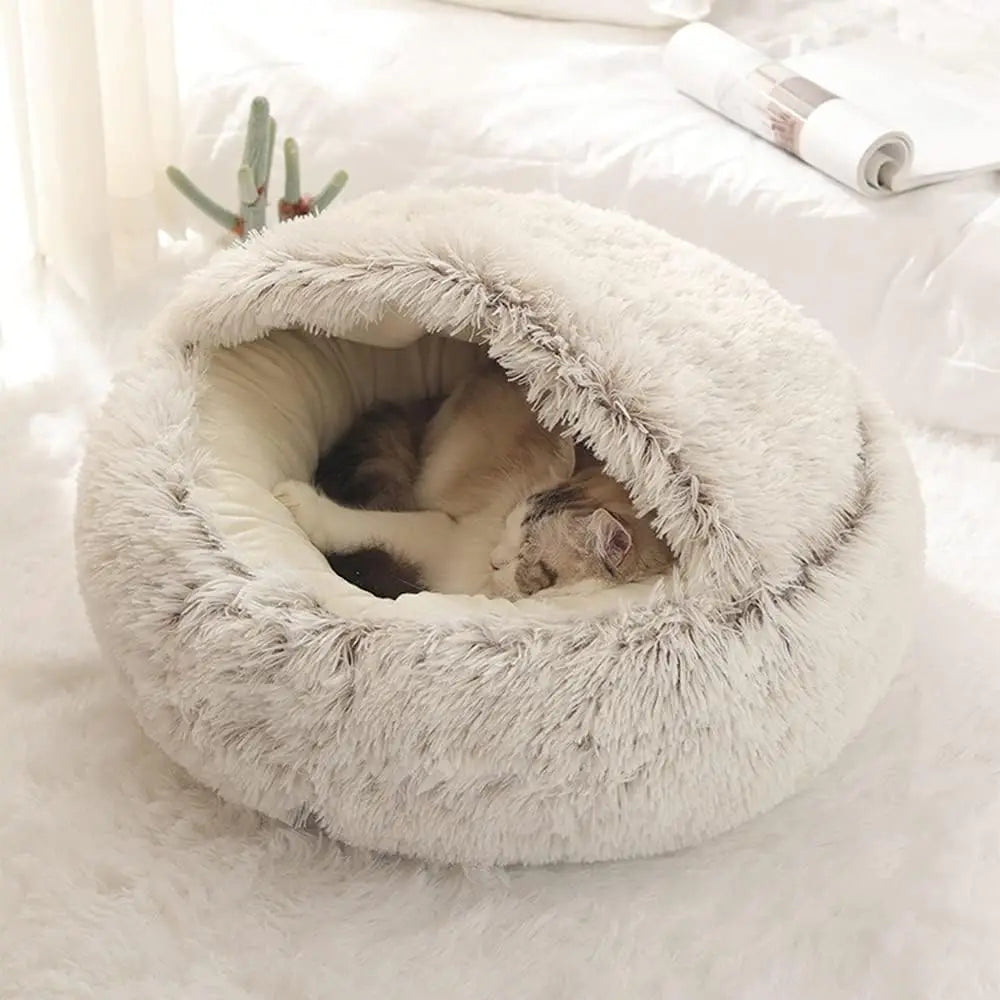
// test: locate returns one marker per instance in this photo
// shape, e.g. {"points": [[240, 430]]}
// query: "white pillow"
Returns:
{"points": [[633, 13]]}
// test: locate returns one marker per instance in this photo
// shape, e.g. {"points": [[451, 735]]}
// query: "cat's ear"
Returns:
{"points": [[610, 540]]}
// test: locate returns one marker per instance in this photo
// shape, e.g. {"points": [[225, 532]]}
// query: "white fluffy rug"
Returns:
{"points": [[119, 878]]}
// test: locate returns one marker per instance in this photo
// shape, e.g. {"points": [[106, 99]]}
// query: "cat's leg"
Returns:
{"points": [[419, 536]]}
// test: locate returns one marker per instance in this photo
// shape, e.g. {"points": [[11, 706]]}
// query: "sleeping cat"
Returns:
{"points": [[500, 505]]}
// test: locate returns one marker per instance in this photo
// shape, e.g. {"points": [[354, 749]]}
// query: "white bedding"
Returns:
{"points": [[633, 13], [397, 91]]}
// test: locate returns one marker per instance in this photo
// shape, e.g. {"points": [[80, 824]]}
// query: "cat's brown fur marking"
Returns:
{"points": [[376, 463], [374, 466]]}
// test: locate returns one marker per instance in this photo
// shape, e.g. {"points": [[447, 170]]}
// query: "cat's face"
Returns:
{"points": [[555, 540]]}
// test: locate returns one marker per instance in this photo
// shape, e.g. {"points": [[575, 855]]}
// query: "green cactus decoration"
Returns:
{"points": [[252, 180], [294, 204]]}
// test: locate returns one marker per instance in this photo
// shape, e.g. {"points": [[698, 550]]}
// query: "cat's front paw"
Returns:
{"points": [[294, 494], [302, 501]]}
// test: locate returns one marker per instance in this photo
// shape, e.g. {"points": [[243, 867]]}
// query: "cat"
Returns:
{"points": [[498, 506]]}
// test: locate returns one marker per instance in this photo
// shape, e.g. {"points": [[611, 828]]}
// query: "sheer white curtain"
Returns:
{"points": [[87, 124]]}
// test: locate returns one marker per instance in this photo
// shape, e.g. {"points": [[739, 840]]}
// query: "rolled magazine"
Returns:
{"points": [[851, 143]]}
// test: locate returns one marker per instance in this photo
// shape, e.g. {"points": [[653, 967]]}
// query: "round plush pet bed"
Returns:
{"points": [[464, 729]]}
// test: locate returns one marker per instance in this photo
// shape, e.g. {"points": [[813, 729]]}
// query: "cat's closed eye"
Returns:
{"points": [[531, 577]]}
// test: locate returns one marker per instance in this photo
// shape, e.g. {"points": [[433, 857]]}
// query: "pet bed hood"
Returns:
{"points": [[732, 420], [497, 732]]}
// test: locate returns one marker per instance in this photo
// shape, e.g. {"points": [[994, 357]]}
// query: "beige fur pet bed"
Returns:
{"points": [[464, 729]]}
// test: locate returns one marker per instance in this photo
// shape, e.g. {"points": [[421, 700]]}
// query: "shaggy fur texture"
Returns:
{"points": [[499, 737]]}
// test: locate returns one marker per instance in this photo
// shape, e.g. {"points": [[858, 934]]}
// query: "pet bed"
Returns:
{"points": [[463, 729]]}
